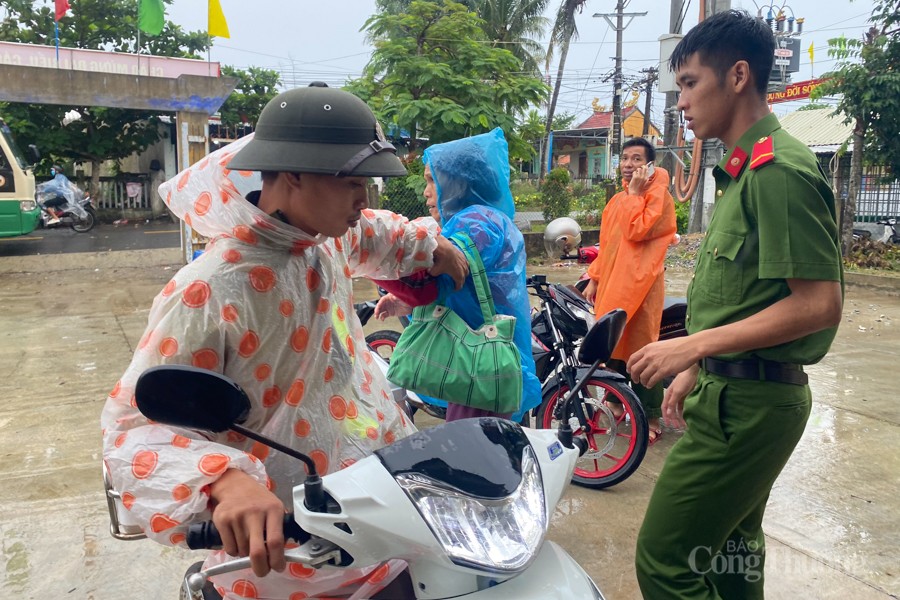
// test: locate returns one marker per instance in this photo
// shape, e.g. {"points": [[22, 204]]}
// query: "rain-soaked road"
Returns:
{"points": [[69, 324]]}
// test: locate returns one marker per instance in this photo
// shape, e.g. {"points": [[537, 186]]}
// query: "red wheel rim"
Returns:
{"points": [[614, 456]]}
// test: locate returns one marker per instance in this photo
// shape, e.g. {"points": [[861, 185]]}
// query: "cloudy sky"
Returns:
{"points": [[308, 40]]}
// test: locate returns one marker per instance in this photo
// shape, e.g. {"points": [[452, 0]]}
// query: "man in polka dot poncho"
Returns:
{"points": [[270, 305]]}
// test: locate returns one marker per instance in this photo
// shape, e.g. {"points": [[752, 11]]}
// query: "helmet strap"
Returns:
{"points": [[374, 147]]}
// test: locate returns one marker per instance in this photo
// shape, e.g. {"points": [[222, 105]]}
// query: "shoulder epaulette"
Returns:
{"points": [[763, 152]]}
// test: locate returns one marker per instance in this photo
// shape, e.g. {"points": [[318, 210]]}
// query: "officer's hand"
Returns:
{"points": [[673, 400], [639, 180], [449, 260], [250, 521], [654, 362], [390, 305], [590, 291]]}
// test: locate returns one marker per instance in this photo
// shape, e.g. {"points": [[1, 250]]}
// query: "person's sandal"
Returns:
{"points": [[654, 435]]}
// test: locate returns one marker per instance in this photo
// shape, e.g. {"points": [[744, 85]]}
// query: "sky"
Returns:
{"points": [[308, 40]]}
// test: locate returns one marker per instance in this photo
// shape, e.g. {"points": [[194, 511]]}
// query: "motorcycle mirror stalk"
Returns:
{"points": [[196, 398]]}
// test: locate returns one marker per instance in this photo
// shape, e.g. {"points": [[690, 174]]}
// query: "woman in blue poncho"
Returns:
{"points": [[467, 181]]}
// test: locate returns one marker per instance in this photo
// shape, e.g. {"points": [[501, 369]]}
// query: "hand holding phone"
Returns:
{"points": [[650, 170]]}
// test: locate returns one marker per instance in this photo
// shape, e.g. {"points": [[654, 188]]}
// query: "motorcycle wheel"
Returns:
{"points": [[383, 342], [84, 225], [616, 447]]}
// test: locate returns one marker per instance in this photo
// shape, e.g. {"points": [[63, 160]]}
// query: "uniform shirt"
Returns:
{"points": [[774, 219]]}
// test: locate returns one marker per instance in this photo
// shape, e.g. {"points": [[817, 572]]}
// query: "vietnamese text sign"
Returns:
{"points": [[98, 61], [795, 91]]}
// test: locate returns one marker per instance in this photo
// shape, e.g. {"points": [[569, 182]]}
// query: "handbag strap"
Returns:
{"points": [[479, 276]]}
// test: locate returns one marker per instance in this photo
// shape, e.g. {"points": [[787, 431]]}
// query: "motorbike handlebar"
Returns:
{"points": [[205, 535]]}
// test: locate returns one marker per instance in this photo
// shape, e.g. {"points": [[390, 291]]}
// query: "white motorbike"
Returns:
{"points": [[466, 504]]}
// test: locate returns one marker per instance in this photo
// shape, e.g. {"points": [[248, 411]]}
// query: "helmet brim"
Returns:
{"points": [[309, 157]]}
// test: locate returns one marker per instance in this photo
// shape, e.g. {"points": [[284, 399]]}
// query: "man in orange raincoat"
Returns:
{"points": [[636, 228]]}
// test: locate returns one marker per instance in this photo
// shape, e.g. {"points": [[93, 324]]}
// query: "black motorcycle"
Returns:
{"points": [[558, 326]]}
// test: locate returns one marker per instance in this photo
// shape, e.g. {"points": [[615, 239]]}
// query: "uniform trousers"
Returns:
{"points": [[702, 534]]}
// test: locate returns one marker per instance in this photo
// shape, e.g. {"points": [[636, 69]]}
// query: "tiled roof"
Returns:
{"points": [[603, 120]]}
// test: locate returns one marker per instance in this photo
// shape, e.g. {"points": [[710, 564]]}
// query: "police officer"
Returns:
{"points": [[766, 299]]}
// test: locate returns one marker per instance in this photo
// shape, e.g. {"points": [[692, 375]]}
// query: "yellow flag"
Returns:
{"points": [[218, 26], [812, 53]]}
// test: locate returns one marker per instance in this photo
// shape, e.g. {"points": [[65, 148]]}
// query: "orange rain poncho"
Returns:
{"points": [[634, 234]]}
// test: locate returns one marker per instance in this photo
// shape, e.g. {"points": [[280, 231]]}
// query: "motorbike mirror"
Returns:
{"points": [[190, 397], [600, 341], [35, 153]]}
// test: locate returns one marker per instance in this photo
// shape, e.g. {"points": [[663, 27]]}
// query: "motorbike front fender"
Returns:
{"points": [[553, 381], [553, 575]]}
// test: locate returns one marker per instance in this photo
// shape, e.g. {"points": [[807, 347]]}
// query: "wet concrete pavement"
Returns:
{"points": [[69, 324]]}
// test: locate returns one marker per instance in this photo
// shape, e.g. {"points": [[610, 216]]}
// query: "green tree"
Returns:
{"points": [[516, 25], [100, 133], [555, 195], [256, 86], [434, 74], [867, 77], [564, 31], [512, 24]]}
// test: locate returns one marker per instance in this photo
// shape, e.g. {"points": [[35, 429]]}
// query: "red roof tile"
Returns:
{"points": [[603, 120]]}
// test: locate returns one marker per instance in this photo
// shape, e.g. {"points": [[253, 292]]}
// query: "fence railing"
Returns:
{"points": [[877, 199], [118, 194]]}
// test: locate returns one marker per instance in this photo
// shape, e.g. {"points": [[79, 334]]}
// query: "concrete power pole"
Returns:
{"points": [[671, 113], [616, 132]]}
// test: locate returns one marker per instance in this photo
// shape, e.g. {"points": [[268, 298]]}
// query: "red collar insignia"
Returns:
{"points": [[736, 162]]}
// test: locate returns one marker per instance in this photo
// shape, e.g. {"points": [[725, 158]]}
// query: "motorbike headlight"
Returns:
{"points": [[27, 205], [582, 314], [499, 536]]}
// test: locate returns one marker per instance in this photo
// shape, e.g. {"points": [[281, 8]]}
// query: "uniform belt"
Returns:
{"points": [[757, 370]]}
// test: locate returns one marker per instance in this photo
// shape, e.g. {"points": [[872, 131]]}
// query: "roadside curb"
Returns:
{"points": [[889, 285]]}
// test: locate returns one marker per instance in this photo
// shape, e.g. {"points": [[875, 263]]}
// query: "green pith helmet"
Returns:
{"points": [[318, 129]]}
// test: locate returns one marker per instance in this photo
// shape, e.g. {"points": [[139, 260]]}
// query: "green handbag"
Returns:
{"points": [[440, 356]]}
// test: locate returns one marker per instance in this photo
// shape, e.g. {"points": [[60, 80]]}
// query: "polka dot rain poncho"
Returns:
{"points": [[272, 308]]}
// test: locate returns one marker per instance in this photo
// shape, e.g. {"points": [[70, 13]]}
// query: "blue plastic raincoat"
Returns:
{"points": [[471, 179]]}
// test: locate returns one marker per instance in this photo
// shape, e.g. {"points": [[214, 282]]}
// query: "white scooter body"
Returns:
{"points": [[466, 504], [386, 524]]}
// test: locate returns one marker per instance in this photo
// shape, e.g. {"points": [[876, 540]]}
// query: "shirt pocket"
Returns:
{"points": [[723, 276]]}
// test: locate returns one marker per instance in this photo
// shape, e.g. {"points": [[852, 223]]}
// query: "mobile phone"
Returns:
{"points": [[650, 169]]}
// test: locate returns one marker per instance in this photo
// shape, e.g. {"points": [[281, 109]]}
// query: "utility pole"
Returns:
{"points": [[652, 76], [616, 133], [669, 126]]}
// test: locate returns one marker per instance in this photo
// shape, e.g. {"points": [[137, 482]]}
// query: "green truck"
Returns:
{"points": [[19, 213]]}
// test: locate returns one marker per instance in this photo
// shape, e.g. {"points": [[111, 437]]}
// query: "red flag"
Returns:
{"points": [[62, 6]]}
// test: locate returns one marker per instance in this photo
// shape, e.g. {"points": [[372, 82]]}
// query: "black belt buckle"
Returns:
{"points": [[756, 370]]}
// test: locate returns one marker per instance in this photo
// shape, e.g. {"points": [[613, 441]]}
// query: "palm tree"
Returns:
{"points": [[564, 31], [515, 24]]}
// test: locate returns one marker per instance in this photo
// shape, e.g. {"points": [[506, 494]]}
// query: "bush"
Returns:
{"points": [[556, 197], [682, 216]]}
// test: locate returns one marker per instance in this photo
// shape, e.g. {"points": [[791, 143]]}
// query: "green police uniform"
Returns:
{"points": [[774, 220]]}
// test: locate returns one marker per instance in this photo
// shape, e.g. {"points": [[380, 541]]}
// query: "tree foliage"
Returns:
{"points": [[434, 74], [867, 77], [512, 24], [101, 133], [255, 87], [565, 30]]}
